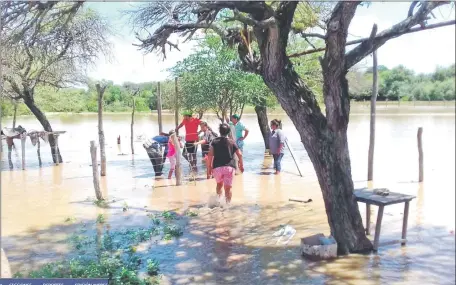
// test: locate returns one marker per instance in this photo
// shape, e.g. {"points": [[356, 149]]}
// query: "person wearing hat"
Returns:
{"points": [[191, 136], [240, 130]]}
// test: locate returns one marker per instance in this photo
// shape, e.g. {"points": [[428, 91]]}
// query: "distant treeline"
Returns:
{"points": [[117, 98], [395, 84], [403, 84]]}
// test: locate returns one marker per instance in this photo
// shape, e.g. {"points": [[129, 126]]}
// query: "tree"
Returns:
{"points": [[324, 135], [48, 44], [211, 79]]}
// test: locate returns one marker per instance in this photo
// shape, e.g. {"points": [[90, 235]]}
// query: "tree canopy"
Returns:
{"points": [[212, 80]]}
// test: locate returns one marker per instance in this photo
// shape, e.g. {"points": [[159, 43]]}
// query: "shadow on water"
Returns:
{"points": [[219, 247], [235, 245]]}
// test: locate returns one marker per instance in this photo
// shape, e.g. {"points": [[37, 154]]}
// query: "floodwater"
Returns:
{"points": [[235, 246]]}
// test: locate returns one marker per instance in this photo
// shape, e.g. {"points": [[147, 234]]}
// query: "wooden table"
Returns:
{"points": [[367, 196]]}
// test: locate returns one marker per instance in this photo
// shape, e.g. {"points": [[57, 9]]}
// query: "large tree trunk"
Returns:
{"points": [[324, 138], [263, 122], [30, 103]]}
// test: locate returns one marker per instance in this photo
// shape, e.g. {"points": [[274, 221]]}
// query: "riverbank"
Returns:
{"points": [[382, 106]]}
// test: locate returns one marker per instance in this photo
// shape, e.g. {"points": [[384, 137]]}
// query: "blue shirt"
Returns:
{"points": [[238, 129]]}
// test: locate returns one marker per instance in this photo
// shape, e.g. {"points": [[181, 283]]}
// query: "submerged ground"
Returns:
{"points": [[235, 246]]}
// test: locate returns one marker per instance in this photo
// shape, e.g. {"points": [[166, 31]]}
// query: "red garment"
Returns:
{"points": [[191, 129]]}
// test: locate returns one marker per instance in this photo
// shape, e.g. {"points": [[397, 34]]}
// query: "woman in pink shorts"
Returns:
{"points": [[221, 161]]}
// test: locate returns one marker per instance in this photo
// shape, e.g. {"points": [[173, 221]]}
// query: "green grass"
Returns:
{"points": [[101, 219], [112, 254]]}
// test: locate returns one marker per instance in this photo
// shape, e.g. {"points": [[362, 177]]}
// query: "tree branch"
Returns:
{"points": [[369, 45], [358, 41], [252, 22]]}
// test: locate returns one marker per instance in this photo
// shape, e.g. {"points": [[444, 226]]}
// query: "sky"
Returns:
{"points": [[422, 51]]}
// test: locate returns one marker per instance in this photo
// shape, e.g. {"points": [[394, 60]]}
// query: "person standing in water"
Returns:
{"points": [[208, 136], [277, 141], [171, 155], [221, 161], [241, 131], [191, 136]]}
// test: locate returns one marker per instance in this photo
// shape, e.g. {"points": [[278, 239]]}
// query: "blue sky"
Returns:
{"points": [[422, 51]]}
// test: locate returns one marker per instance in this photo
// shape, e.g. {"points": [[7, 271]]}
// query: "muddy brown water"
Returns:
{"points": [[235, 246]]}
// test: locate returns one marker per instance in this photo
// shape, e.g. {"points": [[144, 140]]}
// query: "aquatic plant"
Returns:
{"points": [[152, 267], [191, 214], [169, 215], [101, 219], [111, 254]]}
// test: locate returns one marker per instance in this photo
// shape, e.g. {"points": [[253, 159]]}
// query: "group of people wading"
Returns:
{"points": [[218, 150]]}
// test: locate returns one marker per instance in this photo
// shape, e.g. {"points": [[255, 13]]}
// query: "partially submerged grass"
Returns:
{"points": [[112, 254], [190, 213], [101, 219]]}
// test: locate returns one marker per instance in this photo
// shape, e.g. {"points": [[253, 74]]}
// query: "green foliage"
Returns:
{"points": [[153, 267], [308, 67], [101, 219], [402, 84], [117, 98], [211, 79], [111, 254]]}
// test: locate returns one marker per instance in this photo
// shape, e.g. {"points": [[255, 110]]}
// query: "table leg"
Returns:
{"points": [[378, 227], [368, 218], [405, 222]]}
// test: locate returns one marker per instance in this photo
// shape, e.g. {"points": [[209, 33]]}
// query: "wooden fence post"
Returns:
{"points": [[96, 181], [176, 104], [370, 160], [14, 114], [23, 138], [420, 154], [132, 124], [159, 109], [38, 151], [101, 137], [56, 138], [178, 168]]}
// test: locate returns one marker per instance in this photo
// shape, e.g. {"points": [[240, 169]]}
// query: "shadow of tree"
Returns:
{"points": [[235, 246]]}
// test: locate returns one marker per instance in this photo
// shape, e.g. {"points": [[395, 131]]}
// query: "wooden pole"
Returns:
{"points": [[292, 155], [178, 169], [96, 180], [420, 154], [14, 114], [159, 109], [176, 104], [100, 91], [370, 160], [23, 137], [56, 137], [132, 124], [38, 152]]}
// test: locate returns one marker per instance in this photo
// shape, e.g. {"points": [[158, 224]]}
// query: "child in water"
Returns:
{"points": [[171, 155]]}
